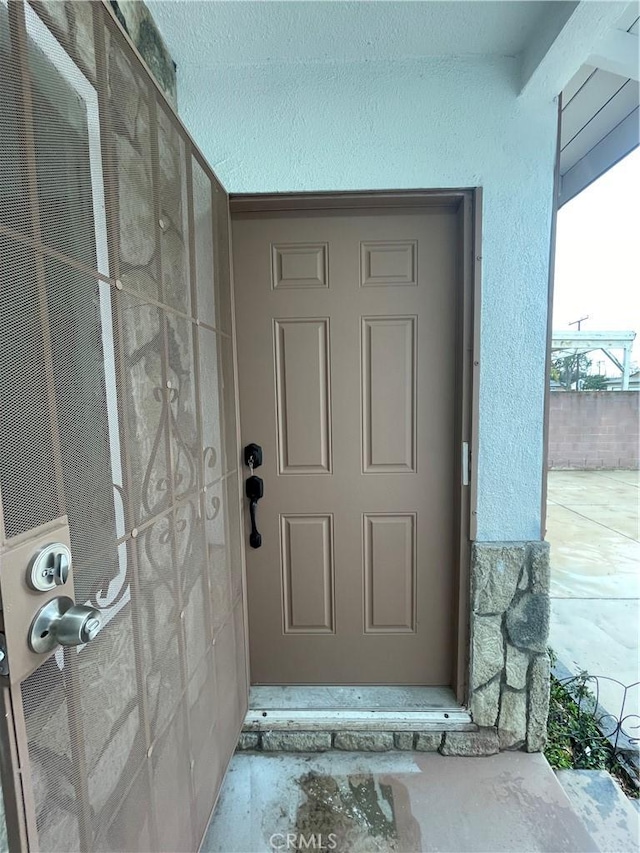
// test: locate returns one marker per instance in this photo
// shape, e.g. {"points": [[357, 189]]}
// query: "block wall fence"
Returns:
{"points": [[594, 429]]}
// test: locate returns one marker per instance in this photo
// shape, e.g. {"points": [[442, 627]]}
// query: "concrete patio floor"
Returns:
{"points": [[593, 529], [377, 803]]}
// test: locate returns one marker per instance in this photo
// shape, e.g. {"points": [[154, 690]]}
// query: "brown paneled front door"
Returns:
{"points": [[346, 345]]}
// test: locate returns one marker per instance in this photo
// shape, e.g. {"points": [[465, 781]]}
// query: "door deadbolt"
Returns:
{"points": [[49, 568], [253, 456], [61, 622]]}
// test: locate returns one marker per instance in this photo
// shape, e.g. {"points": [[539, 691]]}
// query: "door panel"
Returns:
{"points": [[346, 349], [118, 431], [389, 394], [390, 597], [307, 573], [302, 390]]}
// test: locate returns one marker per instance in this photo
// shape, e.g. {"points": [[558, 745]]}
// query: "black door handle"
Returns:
{"points": [[254, 488]]}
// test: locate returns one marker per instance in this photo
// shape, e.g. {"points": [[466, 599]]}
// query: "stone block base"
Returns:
{"points": [[509, 674], [471, 744], [363, 741], [294, 741], [468, 743]]}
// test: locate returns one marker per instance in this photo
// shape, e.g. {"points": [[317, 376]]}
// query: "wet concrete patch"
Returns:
{"points": [[353, 813], [607, 814]]}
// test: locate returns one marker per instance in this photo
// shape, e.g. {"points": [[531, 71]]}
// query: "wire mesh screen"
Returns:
{"points": [[118, 409]]}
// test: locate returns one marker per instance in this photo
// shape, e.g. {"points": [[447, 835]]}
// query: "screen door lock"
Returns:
{"points": [[49, 568], [61, 622], [40, 613]]}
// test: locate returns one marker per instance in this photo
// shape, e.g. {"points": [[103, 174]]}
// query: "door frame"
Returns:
{"points": [[467, 204]]}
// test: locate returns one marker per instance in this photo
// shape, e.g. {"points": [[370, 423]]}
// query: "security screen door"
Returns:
{"points": [[117, 447], [347, 366]]}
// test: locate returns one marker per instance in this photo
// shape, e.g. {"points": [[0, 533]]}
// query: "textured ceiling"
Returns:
{"points": [[256, 32]]}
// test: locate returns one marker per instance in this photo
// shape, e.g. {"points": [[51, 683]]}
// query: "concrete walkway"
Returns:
{"points": [[593, 529], [396, 801]]}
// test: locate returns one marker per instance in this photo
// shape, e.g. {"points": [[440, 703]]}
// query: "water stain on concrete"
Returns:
{"points": [[358, 813]]}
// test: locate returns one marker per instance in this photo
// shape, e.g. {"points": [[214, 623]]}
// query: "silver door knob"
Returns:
{"points": [[78, 626], [61, 622]]}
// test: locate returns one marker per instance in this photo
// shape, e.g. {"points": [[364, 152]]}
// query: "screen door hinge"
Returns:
{"points": [[465, 463]]}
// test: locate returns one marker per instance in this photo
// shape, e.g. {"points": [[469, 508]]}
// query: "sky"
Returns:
{"points": [[597, 269]]}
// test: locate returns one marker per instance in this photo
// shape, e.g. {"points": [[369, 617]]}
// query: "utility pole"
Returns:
{"points": [[578, 322]]}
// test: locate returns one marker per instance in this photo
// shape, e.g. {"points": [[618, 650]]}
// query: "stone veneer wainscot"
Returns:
{"points": [[510, 670]]}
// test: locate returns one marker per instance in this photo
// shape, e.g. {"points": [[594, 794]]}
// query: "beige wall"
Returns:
{"points": [[594, 429]]}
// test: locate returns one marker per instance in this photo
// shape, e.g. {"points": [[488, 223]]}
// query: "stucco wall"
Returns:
{"points": [[435, 123], [594, 429]]}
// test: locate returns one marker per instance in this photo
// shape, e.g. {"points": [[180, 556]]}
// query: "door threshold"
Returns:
{"points": [[346, 697], [440, 720], [362, 707]]}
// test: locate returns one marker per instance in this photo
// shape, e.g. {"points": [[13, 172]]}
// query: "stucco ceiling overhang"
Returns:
{"points": [[256, 32], [561, 45]]}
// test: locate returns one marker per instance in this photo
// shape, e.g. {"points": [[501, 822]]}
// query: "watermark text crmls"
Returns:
{"points": [[300, 841]]}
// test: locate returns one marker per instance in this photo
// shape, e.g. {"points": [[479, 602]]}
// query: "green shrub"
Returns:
{"points": [[573, 738]]}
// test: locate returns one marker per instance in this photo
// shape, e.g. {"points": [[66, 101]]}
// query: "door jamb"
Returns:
{"points": [[467, 202]]}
